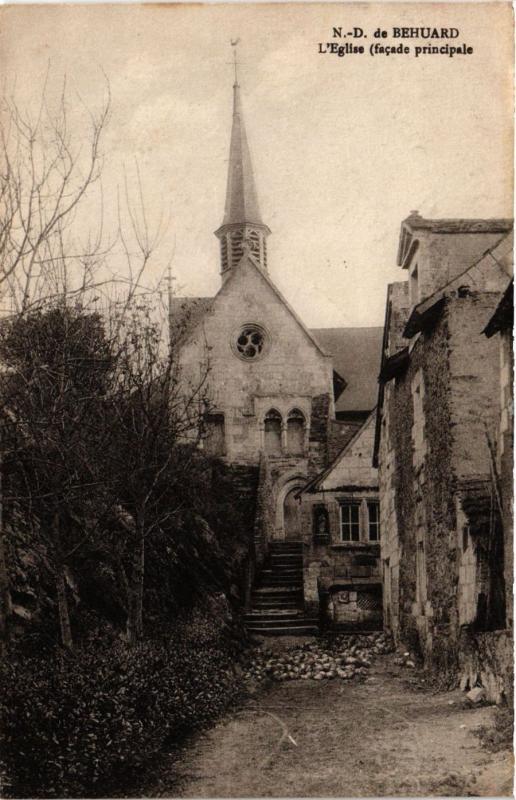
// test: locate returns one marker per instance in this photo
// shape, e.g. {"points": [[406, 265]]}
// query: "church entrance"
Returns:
{"points": [[292, 516]]}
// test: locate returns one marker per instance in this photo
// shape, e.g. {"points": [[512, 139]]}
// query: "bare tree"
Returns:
{"points": [[47, 171], [53, 271]]}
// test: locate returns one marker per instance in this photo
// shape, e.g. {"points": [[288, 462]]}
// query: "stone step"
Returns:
{"points": [[291, 548], [273, 615], [287, 605], [290, 630], [275, 592], [282, 622], [280, 580], [275, 558], [272, 584], [282, 570], [278, 544]]}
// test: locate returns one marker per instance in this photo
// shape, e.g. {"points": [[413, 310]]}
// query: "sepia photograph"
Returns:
{"points": [[256, 400]]}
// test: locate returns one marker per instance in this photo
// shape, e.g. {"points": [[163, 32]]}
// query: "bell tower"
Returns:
{"points": [[242, 230]]}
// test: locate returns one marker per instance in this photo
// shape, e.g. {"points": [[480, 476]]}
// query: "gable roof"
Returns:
{"points": [[187, 312], [496, 259], [414, 222], [314, 485], [355, 352], [356, 356]]}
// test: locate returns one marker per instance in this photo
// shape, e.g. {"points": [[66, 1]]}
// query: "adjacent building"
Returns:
{"points": [[438, 418]]}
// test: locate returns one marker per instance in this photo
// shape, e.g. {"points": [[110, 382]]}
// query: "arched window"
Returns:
{"points": [[296, 432], [273, 432]]}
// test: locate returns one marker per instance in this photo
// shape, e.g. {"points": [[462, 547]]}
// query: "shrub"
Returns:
{"points": [[86, 724]]}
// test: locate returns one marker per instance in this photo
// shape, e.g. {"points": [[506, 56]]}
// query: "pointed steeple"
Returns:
{"points": [[242, 229], [241, 197]]}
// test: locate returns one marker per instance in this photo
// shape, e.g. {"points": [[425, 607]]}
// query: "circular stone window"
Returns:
{"points": [[250, 342]]}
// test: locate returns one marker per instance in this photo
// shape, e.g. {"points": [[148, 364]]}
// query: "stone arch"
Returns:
{"points": [[290, 482]]}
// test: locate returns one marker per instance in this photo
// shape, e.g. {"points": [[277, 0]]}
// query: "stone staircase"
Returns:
{"points": [[277, 598]]}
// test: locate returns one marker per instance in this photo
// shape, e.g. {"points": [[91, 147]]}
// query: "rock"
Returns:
{"points": [[476, 695]]}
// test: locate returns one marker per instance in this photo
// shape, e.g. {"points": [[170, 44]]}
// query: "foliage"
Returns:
{"points": [[86, 724]]}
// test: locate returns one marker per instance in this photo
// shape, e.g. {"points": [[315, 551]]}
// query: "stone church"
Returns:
{"points": [[287, 401]]}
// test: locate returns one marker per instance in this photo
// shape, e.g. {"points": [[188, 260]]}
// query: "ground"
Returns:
{"points": [[387, 736]]}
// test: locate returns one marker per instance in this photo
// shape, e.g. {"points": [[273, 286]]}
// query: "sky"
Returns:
{"points": [[343, 148]]}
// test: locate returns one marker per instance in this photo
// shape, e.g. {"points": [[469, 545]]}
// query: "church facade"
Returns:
{"points": [[279, 401]]}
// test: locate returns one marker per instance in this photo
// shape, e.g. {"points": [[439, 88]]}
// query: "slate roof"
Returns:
{"points": [[241, 195], [416, 222], [356, 356]]}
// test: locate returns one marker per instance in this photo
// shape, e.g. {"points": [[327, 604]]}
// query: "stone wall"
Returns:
{"points": [[506, 460], [486, 659], [290, 373], [391, 549], [441, 256], [337, 567], [424, 530]]}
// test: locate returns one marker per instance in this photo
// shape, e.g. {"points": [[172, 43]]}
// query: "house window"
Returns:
{"points": [[215, 435], [296, 433], [373, 513], [272, 430], [350, 522]]}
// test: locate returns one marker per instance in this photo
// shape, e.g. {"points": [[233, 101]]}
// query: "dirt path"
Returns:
{"points": [[383, 737]]}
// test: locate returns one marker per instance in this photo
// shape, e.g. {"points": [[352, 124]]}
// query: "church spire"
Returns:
{"points": [[242, 229]]}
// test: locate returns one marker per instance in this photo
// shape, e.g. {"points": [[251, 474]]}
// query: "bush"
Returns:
{"points": [[87, 723]]}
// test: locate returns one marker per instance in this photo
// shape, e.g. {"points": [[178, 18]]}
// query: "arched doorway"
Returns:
{"points": [[292, 516]]}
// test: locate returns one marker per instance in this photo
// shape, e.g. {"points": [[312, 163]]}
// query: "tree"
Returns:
{"points": [[47, 171], [157, 426], [53, 268], [58, 362]]}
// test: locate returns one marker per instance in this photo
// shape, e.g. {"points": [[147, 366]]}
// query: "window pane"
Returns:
{"points": [[373, 510], [350, 522]]}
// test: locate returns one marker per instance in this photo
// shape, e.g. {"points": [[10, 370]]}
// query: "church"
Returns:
{"points": [[295, 405]]}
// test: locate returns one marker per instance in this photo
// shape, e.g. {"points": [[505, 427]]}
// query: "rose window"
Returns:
{"points": [[250, 342]]}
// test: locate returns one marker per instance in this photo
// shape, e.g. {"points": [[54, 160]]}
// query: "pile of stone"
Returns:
{"points": [[345, 657]]}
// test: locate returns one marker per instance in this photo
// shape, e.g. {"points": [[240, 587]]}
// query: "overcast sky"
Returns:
{"points": [[343, 148]]}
